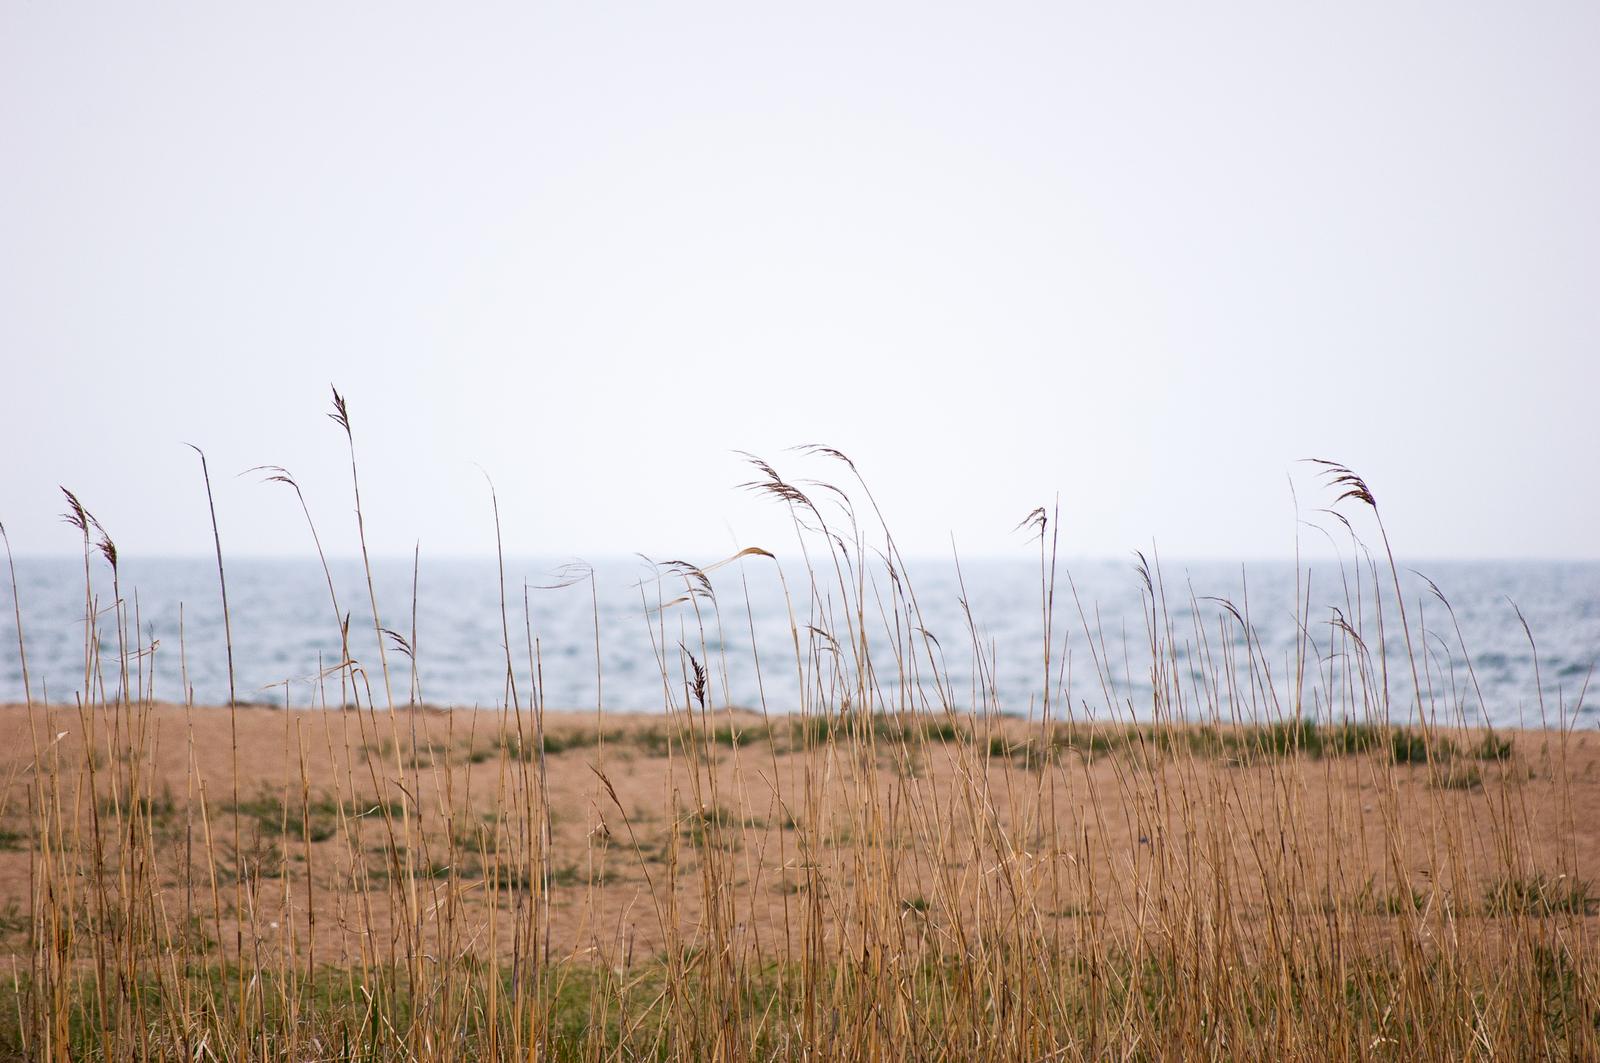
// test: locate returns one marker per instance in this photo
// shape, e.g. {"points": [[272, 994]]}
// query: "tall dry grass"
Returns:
{"points": [[1278, 861]]}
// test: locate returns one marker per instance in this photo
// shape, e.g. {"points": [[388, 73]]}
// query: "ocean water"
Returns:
{"points": [[614, 635]]}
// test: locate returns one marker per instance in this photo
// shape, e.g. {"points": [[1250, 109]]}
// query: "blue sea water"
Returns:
{"points": [[604, 637]]}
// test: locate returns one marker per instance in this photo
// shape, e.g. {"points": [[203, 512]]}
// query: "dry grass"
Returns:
{"points": [[887, 870]]}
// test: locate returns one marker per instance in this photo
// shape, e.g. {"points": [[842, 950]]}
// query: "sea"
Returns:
{"points": [[1506, 643]]}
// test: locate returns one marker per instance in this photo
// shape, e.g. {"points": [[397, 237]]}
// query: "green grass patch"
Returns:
{"points": [[1538, 895]]}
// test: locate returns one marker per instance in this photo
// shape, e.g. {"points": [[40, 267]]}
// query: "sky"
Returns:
{"points": [[1137, 258]]}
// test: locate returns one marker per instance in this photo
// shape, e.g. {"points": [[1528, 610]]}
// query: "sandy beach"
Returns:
{"points": [[328, 827]]}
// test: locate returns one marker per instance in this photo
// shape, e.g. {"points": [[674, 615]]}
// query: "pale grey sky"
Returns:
{"points": [[1143, 255]]}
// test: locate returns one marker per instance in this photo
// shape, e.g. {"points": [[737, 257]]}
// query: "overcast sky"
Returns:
{"points": [[1143, 256]]}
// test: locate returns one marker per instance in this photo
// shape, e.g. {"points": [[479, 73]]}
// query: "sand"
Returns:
{"points": [[957, 831]]}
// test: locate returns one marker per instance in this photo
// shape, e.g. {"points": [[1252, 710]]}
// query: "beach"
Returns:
{"points": [[311, 834]]}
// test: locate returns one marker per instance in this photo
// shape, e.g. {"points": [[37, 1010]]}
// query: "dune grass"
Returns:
{"points": [[1238, 870]]}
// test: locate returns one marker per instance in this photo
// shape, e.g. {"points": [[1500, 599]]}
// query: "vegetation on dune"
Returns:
{"points": [[880, 872]]}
